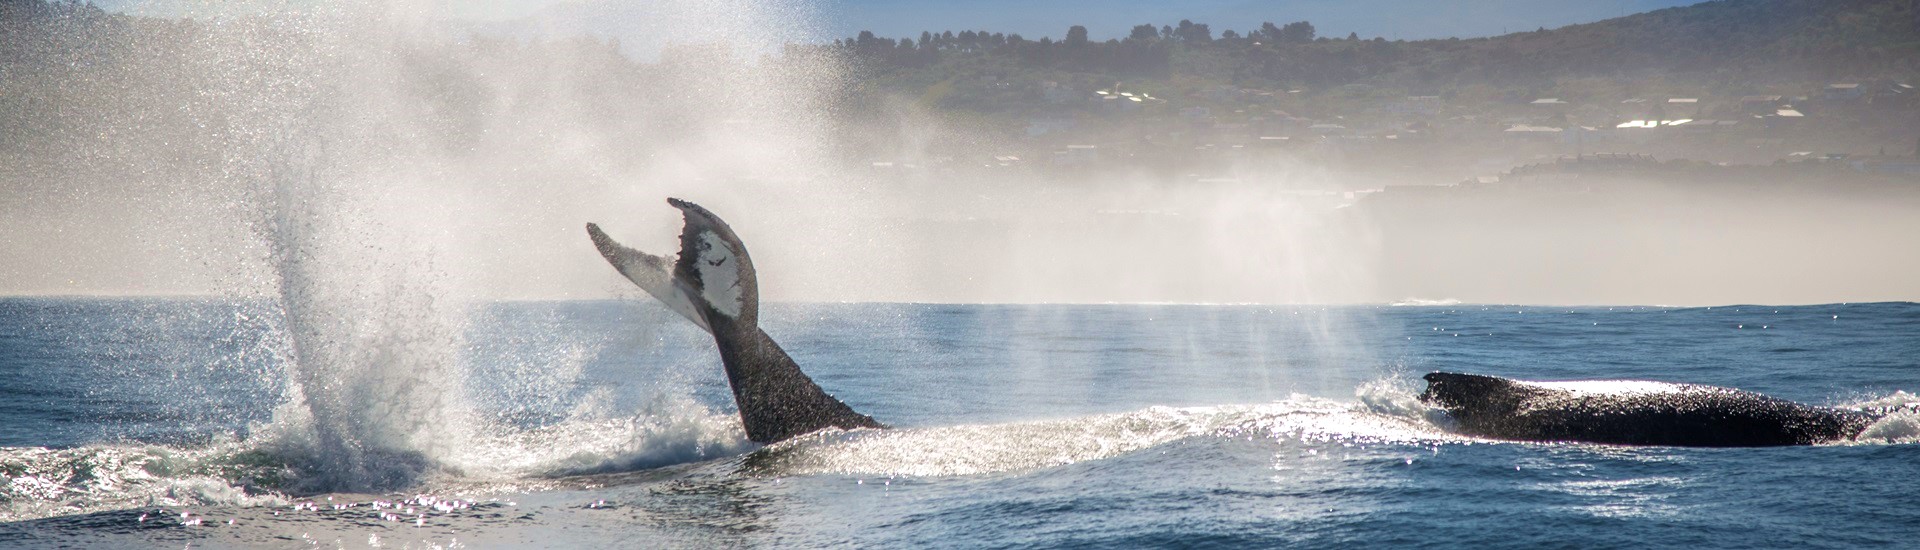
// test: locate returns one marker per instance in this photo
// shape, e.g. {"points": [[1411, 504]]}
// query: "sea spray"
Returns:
{"points": [[1901, 423], [372, 336], [369, 330]]}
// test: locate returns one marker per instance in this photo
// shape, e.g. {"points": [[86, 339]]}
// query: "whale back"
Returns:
{"points": [[1629, 412], [713, 284]]}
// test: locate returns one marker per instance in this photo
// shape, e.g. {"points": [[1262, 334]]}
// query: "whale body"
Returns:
{"points": [[1631, 412], [712, 283]]}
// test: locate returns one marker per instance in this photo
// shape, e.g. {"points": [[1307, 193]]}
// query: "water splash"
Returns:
{"points": [[39, 482], [370, 331], [1900, 425], [980, 449], [668, 430]]}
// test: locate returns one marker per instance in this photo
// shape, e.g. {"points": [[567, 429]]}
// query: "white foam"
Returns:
{"points": [[1901, 426], [54, 482], [41, 482], [979, 449], [672, 430], [1420, 302]]}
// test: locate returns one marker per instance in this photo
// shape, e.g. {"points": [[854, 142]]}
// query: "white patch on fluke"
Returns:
{"points": [[719, 274]]}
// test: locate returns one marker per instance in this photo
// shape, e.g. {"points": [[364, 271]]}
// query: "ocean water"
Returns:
{"points": [[144, 423]]}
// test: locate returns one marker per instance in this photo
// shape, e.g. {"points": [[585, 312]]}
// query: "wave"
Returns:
{"points": [[41, 482], [671, 431], [276, 467], [1384, 416], [262, 471], [1901, 425], [1418, 302]]}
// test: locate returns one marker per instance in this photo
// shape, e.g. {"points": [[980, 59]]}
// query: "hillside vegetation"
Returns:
{"points": [[1727, 47]]}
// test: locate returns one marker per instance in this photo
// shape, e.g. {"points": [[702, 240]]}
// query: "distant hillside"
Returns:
{"points": [[1754, 40], [1728, 46], [635, 22]]}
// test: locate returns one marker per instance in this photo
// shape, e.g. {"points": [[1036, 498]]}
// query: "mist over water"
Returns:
{"points": [[379, 232], [372, 182], [365, 194], [366, 181], [480, 155]]}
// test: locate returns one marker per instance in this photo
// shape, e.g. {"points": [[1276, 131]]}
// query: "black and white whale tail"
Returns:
{"points": [[713, 284]]}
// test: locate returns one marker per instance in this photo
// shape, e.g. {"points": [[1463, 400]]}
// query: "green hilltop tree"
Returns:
{"points": [[1194, 33], [1076, 37], [1268, 31], [1144, 32], [1298, 32]]}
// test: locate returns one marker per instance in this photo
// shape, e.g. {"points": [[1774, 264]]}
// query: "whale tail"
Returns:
{"points": [[713, 284]]}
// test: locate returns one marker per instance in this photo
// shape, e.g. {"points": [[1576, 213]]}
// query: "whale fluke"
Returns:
{"points": [[713, 284], [1632, 412]]}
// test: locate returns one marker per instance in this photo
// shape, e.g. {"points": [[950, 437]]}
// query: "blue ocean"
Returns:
{"points": [[148, 422]]}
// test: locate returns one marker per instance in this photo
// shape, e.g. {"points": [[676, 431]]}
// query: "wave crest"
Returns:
{"points": [[37, 482], [1415, 302], [979, 449], [1900, 425]]}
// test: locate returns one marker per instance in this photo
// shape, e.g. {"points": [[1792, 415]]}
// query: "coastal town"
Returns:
{"points": [[1853, 126]]}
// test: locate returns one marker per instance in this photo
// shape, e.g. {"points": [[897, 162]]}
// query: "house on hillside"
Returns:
{"points": [[1709, 126], [1325, 129], [1842, 92], [1531, 133], [1683, 107], [1784, 117], [1644, 130], [1116, 103], [1552, 105]]}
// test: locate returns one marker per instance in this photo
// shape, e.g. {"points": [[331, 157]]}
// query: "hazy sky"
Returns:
{"points": [[1393, 19]]}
